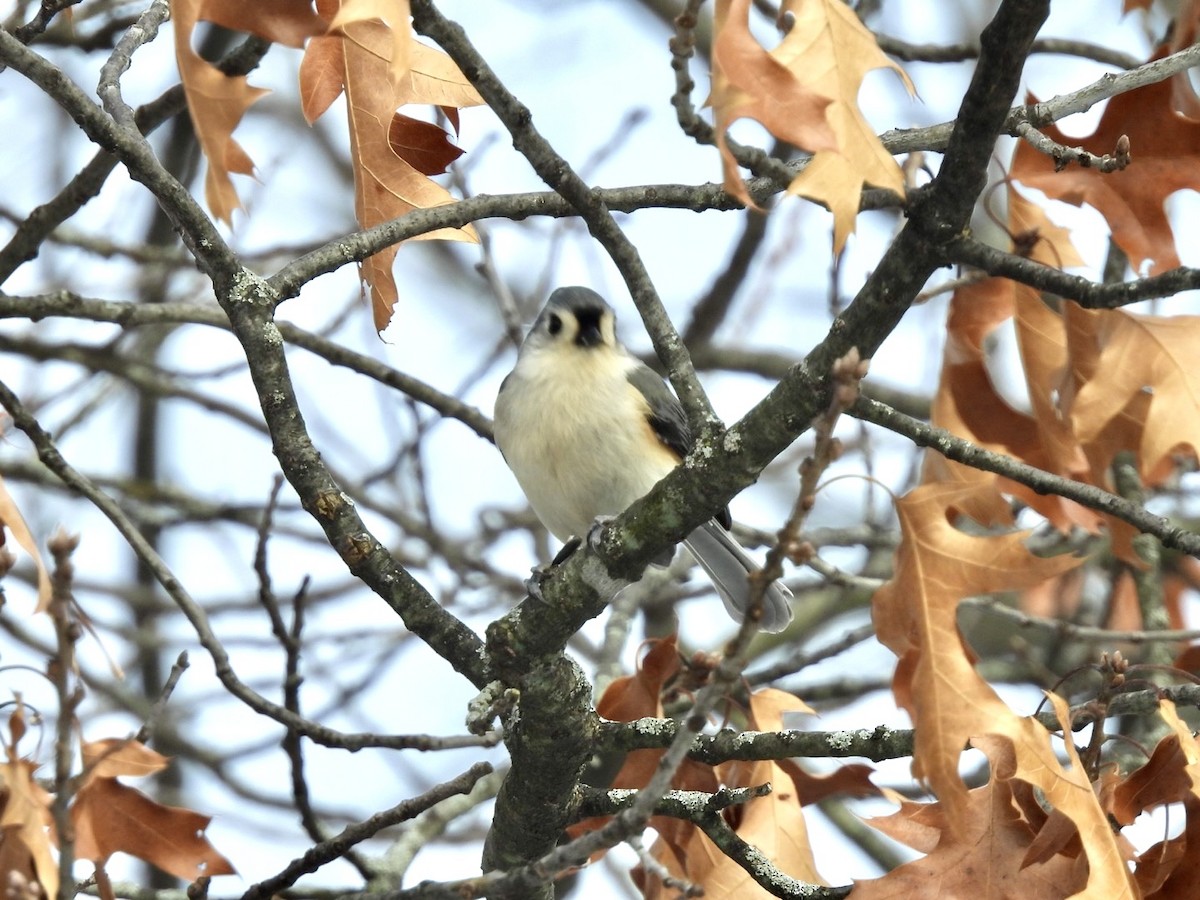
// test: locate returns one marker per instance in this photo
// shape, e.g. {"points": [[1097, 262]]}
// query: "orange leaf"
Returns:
{"points": [[112, 757], [386, 184], [394, 15], [110, 817], [983, 859], [1135, 387], [322, 70], [1165, 150], [830, 51], [11, 518], [915, 616], [216, 103], [749, 82], [636, 696], [23, 821], [289, 22], [968, 404]]}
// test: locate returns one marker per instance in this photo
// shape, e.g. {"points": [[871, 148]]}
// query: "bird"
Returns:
{"points": [[587, 429]]}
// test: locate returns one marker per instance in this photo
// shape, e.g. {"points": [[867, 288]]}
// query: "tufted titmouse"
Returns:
{"points": [[588, 429]]}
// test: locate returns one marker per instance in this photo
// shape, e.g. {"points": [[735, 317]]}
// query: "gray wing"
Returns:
{"points": [[666, 414], [667, 417], [504, 384]]}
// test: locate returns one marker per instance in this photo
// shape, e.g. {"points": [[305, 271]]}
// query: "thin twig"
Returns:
{"points": [[336, 847], [1063, 155], [959, 450]]}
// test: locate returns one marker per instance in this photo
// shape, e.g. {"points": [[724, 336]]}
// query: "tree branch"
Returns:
{"points": [[959, 450], [1088, 294]]}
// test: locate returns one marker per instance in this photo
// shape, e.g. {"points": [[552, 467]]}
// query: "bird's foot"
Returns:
{"points": [[537, 577], [596, 531], [539, 574]]}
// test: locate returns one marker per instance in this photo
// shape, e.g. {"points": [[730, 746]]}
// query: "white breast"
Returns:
{"points": [[574, 432]]}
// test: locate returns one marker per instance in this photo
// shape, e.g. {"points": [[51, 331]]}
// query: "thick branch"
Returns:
{"points": [[875, 744]]}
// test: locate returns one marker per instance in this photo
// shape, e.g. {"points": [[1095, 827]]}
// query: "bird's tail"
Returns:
{"points": [[727, 564]]}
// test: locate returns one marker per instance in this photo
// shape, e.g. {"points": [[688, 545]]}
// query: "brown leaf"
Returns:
{"points": [[112, 757], [1171, 870], [640, 694], [774, 823], [915, 616], [636, 696], [24, 819], [968, 404], [386, 185], [322, 70], [110, 817], [289, 22], [1141, 368], [394, 15], [1183, 34], [981, 860], [1170, 775], [216, 104], [1165, 147], [749, 82], [1021, 749], [11, 518], [17, 865], [424, 146], [949, 702], [830, 51]]}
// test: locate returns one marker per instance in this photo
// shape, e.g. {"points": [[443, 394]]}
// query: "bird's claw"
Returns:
{"points": [[596, 532], [537, 577], [539, 574]]}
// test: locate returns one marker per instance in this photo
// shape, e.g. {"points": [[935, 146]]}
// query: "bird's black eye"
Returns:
{"points": [[554, 326]]}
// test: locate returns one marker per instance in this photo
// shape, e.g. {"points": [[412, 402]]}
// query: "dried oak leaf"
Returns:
{"points": [[391, 156], [1134, 386], [25, 854], [774, 824], [967, 402], [979, 861], [1165, 149], [11, 518], [110, 817], [749, 82], [217, 102], [915, 615], [25, 842], [831, 51], [1172, 773], [639, 696], [1170, 870]]}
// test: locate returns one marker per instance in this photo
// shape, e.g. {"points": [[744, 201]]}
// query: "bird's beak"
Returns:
{"points": [[589, 334]]}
